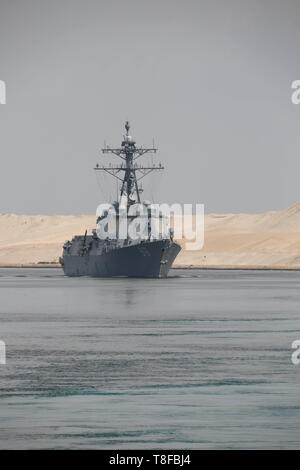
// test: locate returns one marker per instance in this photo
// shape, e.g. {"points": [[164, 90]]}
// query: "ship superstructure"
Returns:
{"points": [[150, 253]]}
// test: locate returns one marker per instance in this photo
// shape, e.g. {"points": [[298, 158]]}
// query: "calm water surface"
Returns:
{"points": [[199, 360]]}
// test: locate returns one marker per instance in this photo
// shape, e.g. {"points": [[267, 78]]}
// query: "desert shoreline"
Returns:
{"points": [[264, 241], [204, 268]]}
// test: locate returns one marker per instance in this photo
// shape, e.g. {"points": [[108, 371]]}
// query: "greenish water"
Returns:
{"points": [[199, 360]]}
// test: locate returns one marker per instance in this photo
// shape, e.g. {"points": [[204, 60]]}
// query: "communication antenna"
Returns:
{"points": [[132, 172]]}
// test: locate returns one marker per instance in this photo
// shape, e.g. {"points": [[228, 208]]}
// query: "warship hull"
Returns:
{"points": [[151, 259]]}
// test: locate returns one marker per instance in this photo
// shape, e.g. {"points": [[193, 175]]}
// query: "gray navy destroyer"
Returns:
{"points": [[150, 256]]}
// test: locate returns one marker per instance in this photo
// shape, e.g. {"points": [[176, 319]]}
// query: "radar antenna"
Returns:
{"points": [[133, 172]]}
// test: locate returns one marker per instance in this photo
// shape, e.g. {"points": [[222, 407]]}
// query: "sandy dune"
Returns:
{"points": [[269, 240]]}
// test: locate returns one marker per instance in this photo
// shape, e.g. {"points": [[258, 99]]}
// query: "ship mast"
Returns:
{"points": [[133, 172]]}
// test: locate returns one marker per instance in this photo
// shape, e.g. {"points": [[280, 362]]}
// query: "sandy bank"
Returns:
{"points": [[232, 241]]}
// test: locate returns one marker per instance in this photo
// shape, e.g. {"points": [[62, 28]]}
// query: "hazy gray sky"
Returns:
{"points": [[210, 80]]}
